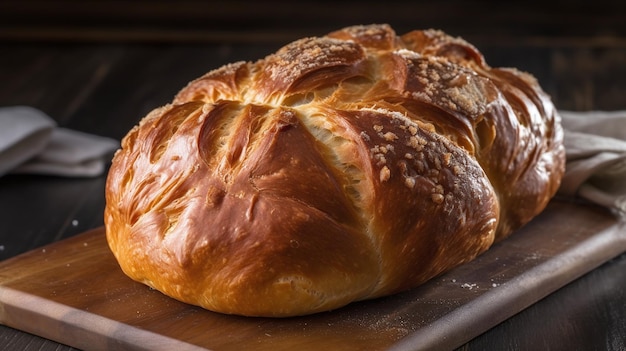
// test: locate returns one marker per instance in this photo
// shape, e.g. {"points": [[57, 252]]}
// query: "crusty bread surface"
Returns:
{"points": [[340, 168]]}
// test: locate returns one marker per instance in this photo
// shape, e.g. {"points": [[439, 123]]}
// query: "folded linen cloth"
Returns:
{"points": [[32, 143], [595, 146]]}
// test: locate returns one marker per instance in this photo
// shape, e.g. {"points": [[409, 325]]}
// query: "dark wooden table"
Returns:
{"points": [[99, 69]]}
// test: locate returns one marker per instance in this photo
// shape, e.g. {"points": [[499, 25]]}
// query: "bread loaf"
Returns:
{"points": [[341, 168]]}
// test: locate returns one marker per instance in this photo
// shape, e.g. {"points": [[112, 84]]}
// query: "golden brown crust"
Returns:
{"points": [[341, 168]]}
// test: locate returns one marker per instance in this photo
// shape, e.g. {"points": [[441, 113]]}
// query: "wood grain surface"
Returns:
{"points": [[200, 21], [73, 292], [98, 66]]}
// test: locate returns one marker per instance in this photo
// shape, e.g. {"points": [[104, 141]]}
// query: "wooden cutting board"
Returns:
{"points": [[73, 292]]}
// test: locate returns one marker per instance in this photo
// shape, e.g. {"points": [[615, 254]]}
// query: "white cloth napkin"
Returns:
{"points": [[32, 143], [595, 145]]}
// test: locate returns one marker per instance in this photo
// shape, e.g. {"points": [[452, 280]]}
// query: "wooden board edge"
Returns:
{"points": [[87, 331], [446, 333]]}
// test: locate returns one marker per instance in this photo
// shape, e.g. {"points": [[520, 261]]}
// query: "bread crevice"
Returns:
{"points": [[344, 167]]}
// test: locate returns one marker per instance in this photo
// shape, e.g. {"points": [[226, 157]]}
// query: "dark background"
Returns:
{"points": [[245, 21], [100, 66], [577, 49]]}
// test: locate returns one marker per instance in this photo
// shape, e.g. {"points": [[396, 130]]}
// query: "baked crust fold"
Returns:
{"points": [[340, 168]]}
